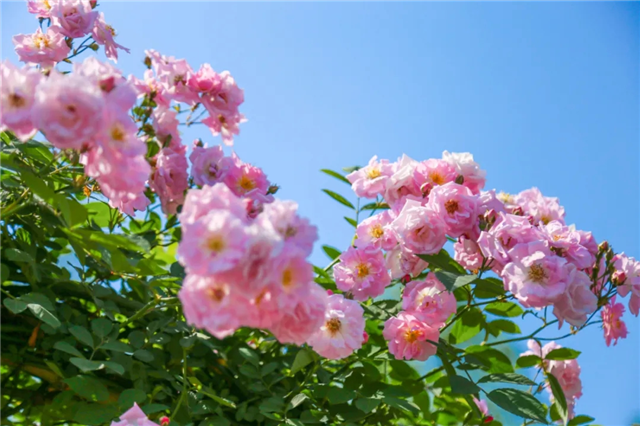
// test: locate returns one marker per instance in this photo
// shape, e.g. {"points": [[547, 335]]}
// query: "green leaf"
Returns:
{"points": [[129, 396], [339, 198], [88, 388], [505, 325], [339, 395], [495, 361], [488, 288], [14, 305], [367, 405], [101, 327], [117, 346], [580, 419], [143, 355], [462, 385], [16, 255], [250, 356], [303, 358], [336, 175], [504, 309], [351, 222], [519, 403], [82, 334], [528, 361], [332, 252], [442, 260], [375, 206], [86, 365], [562, 354], [453, 280], [44, 315], [63, 346], [114, 366], [297, 400], [558, 395], [94, 414], [99, 212], [351, 169], [466, 327], [401, 404], [517, 379]]}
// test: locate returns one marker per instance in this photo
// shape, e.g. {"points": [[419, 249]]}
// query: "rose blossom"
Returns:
{"points": [[575, 304], [457, 206], [375, 231], [222, 104], [295, 231], [299, 322], [408, 337], [246, 180], [342, 331], [369, 181], [542, 209], [199, 202], [104, 34], [17, 87], [362, 272], [401, 183], [468, 254], [165, 124], [431, 173], [565, 241], [134, 417], [74, 16], [419, 229], [628, 277], [612, 323], [41, 8], [205, 80], [44, 49], [428, 300], [482, 406], [474, 177], [169, 178], [401, 262]]}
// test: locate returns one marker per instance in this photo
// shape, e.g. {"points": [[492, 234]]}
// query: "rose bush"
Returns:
{"points": [[145, 283]]}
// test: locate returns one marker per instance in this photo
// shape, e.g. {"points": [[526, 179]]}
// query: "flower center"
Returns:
{"points": [[222, 120], [437, 178], [333, 325], [362, 270], [376, 231], [40, 41], [16, 100], [216, 294], [287, 278], [451, 206], [246, 183], [290, 232], [373, 173], [545, 219], [412, 335], [537, 273], [216, 244], [117, 133]]}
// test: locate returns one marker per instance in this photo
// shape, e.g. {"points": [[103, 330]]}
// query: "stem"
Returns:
{"points": [[184, 382], [15, 206], [518, 339]]}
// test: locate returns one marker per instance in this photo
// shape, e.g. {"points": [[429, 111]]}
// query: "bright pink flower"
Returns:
{"points": [[206, 165], [612, 323], [104, 34], [215, 242], [41, 8], [402, 183], [474, 177], [536, 276], [213, 304], [151, 86], [370, 181], [119, 94], [482, 406], [341, 331], [246, 180], [429, 300], [222, 105], [628, 271], [419, 229], [205, 80], [565, 242], [44, 49], [467, 253], [409, 337], [375, 231], [401, 262], [68, 110], [301, 321], [17, 87], [508, 231], [457, 206], [362, 272], [76, 17], [165, 125], [542, 209], [291, 278], [431, 173], [170, 179], [578, 301], [199, 202], [295, 231]]}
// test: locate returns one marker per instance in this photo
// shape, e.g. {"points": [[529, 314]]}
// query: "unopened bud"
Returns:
{"points": [[365, 337], [273, 189], [69, 41], [329, 292], [460, 179], [406, 279], [518, 211], [147, 61], [198, 143], [426, 189], [94, 46], [618, 278], [488, 419], [93, 3], [603, 246], [610, 255]]}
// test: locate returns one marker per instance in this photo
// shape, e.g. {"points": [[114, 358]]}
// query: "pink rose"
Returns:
{"points": [[207, 167], [104, 35], [44, 49], [76, 17], [199, 202], [409, 338], [369, 181], [419, 229], [468, 254], [295, 231], [169, 178], [362, 272], [473, 176], [542, 209], [205, 80], [302, 320], [402, 183], [612, 323], [578, 302], [134, 417], [222, 104], [429, 301], [457, 207], [40, 8], [17, 88], [375, 231], [401, 262], [431, 173]]}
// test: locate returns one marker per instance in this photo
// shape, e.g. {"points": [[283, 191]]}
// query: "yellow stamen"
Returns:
{"points": [[333, 325], [537, 273], [451, 206], [376, 231], [373, 172], [216, 294], [362, 270], [437, 178], [412, 335], [16, 101], [216, 244], [246, 183], [287, 278]]}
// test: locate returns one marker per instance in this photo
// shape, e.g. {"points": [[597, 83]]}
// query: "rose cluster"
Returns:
{"points": [[253, 272]]}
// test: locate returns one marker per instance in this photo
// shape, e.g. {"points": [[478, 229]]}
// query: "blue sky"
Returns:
{"points": [[543, 94]]}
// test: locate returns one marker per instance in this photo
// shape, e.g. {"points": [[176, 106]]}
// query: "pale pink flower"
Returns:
{"points": [[295, 231], [118, 134], [292, 276], [431, 173], [44, 49], [341, 331], [213, 243], [265, 309], [169, 178], [468, 254], [612, 322], [222, 105], [300, 321], [17, 88], [246, 180], [134, 417], [628, 277], [225, 125], [488, 200], [362, 272], [165, 124], [474, 177], [419, 229], [370, 180], [402, 262], [565, 242], [457, 207], [578, 301], [213, 305], [402, 183], [104, 35], [173, 74], [428, 300], [41, 8], [536, 276], [375, 231], [119, 94], [199, 202], [205, 80], [542, 209], [151, 87], [76, 17], [409, 338], [206, 165], [482, 406], [68, 110]]}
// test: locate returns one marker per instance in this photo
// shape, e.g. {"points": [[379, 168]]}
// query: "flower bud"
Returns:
{"points": [[147, 62], [460, 179], [93, 4], [365, 337], [94, 46], [164, 421], [517, 211], [273, 189], [618, 278], [198, 143], [406, 279], [603, 246]]}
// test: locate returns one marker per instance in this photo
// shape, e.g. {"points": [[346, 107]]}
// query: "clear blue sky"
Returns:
{"points": [[543, 94]]}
